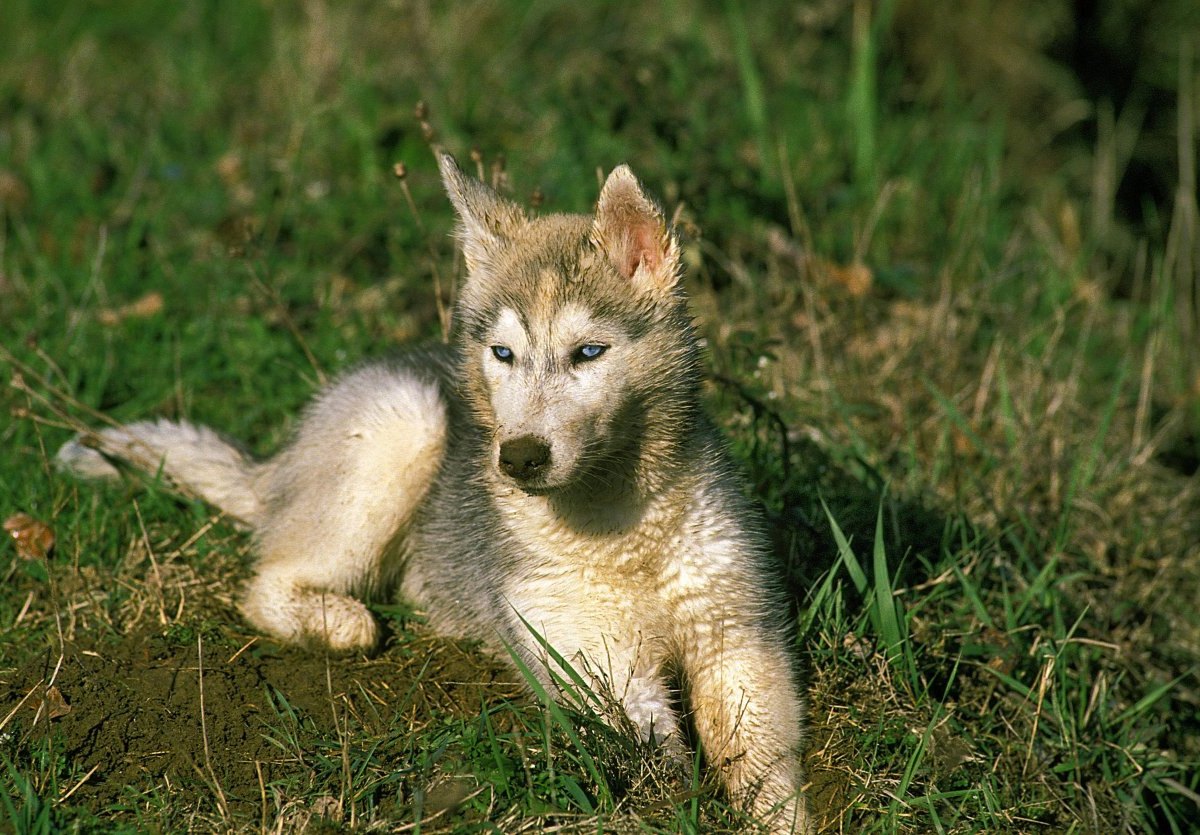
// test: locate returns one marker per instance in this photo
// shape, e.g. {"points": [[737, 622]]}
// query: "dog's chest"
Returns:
{"points": [[601, 541], [600, 563], [625, 593], [586, 588]]}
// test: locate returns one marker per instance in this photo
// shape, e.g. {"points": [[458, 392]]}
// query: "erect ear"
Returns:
{"points": [[486, 220], [631, 231]]}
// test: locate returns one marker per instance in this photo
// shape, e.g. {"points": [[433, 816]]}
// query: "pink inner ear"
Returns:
{"points": [[642, 246]]}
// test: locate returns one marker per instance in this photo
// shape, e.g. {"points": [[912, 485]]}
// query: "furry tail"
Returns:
{"points": [[194, 459]]}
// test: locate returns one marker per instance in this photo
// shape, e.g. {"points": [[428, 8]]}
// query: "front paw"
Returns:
{"points": [[341, 623], [309, 617]]}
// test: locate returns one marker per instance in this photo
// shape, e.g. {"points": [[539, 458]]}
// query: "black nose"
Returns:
{"points": [[523, 458]]}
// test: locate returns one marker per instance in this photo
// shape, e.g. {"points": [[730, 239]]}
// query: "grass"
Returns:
{"points": [[961, 375]]}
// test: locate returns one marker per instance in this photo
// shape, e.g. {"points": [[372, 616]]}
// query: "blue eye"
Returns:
{"points": [[589, 352], [502, 353]]}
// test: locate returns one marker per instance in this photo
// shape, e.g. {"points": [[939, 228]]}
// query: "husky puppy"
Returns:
{"points": [[549, 480]]}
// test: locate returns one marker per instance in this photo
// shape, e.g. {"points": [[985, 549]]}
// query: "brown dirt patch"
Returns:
{"points": [[140, 710]]}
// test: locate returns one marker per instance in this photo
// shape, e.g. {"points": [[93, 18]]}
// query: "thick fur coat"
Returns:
{"points": [[550, 478]]}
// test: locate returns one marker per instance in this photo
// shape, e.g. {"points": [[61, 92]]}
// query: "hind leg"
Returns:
{"points": [[338, 501]]}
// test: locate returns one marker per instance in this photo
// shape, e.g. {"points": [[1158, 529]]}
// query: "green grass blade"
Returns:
{"points": [[561, 719], [1148, 701], [846, 554], [1085, 470], [960, 421], [885, 600], [753, 96], [573, 685], [972, 593]]}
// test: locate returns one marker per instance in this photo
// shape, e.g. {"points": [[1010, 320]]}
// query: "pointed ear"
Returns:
{"points": [[631, 231], [486, 220]]}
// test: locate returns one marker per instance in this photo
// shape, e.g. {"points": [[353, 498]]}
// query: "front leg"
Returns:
{"points": [[748, 713], [614, 658]]}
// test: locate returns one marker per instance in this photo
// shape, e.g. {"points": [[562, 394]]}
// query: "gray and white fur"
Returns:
{"points": [[552, 472]]}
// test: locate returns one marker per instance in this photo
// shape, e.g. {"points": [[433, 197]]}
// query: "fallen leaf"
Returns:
{"points": [[56, 705], [32, 538]]}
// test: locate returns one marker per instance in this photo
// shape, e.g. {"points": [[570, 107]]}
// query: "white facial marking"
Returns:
{"points": [[546, 391], [510, 333], [573, 326]]}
